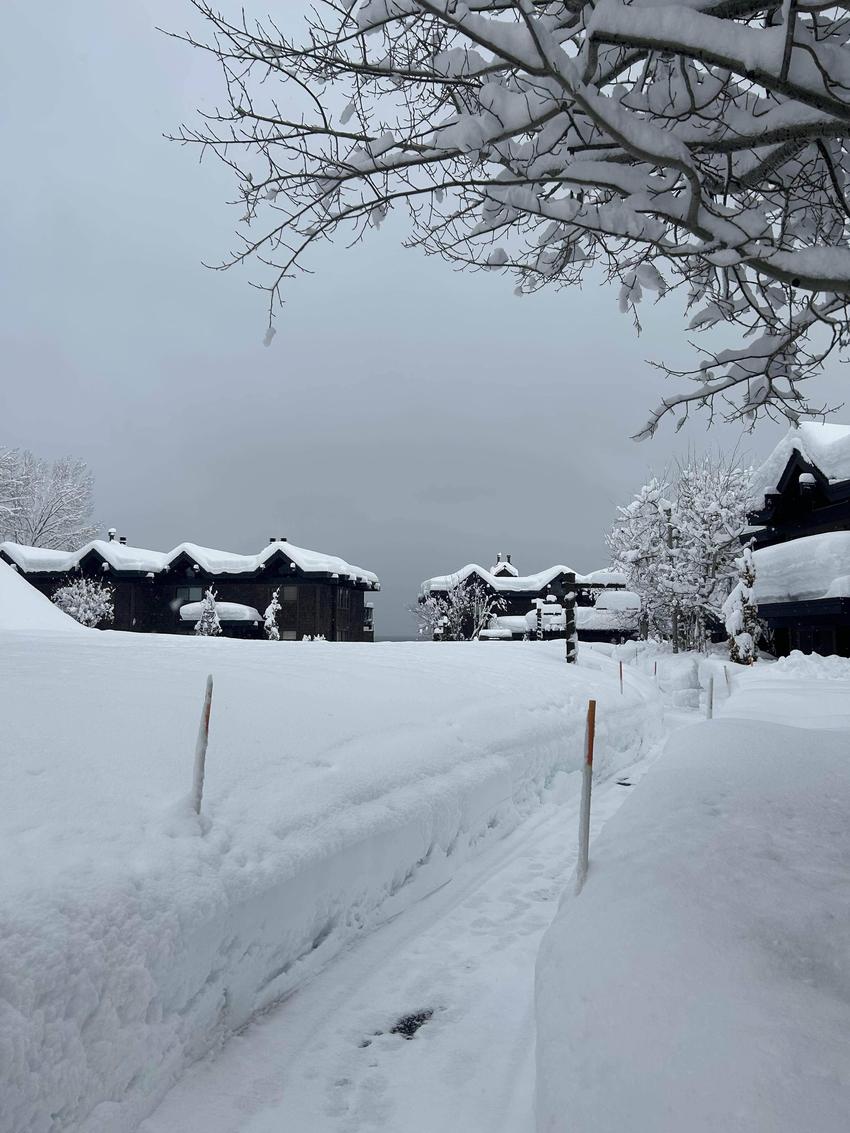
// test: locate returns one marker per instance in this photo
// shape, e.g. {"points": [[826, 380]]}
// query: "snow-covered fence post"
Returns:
{"points": [[201, 748], [570, 618], [709, 698], [586, 786]]}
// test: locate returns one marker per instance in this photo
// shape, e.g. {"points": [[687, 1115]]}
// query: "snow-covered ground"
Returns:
{"points": [[700, 980], [344, 784], [385, 836]]}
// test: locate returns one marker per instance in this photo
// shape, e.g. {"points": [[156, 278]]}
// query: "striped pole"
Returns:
{"points": [[201, 748], [586, 786]]}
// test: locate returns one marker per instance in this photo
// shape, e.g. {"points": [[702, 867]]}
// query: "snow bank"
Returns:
{"points": [[341, 786], [699, 981], [815, 566], [24, 609]]}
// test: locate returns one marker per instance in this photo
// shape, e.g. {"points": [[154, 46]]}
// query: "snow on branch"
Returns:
{"points": [[44, 504], [698, 148]]}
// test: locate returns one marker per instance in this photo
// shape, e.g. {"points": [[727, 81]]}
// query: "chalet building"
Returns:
{"points": [[161, 592], [520, 594], [801, 540]]}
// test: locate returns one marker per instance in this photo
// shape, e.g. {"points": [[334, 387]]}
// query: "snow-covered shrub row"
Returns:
{"points": [[341, 786]]}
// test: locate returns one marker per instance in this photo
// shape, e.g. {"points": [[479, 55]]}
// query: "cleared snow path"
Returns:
{"points": [[326, 1060]]}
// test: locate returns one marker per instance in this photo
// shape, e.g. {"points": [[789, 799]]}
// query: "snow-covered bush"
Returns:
{"points": [[700, 154], [208, 624], [741, 613], [88, 601], [270, 625], [460, 614]]}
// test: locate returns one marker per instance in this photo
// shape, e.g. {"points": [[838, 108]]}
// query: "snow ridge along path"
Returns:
{"points": [[713, 935], [344, 784]]}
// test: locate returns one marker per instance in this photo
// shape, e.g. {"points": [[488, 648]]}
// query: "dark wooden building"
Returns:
{"points": [[801, 539], [519, 593], [160, 592]]}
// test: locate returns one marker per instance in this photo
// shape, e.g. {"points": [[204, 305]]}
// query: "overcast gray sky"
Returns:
{"points": [[406, 417]]}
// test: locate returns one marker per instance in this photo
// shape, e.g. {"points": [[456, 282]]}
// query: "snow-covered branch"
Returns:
{"points": [[699, 147], [44, 504]]}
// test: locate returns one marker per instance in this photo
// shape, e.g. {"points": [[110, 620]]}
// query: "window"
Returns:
{"points": [[288, 635], [343, 598], [289, 593], [184, 594]]}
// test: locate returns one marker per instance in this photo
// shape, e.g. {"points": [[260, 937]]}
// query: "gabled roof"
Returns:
{"points": [[823, 446], [137, 559], [522, 582]]}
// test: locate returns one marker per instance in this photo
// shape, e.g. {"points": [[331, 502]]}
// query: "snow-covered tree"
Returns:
{"points": [[208, 624], [710, 513], [704, 152], [44, 504], [88, 601], [677, 543], [741, 613], [270, 617], [459, 614], [640, 544]]}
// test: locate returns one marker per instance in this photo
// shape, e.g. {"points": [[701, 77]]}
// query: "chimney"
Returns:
{"points": [[498, 556], [123, 540], [508, 558], [111, 533], [283, 538], [272, 539]]}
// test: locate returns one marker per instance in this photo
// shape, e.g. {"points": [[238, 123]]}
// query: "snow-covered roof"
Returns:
{"points": [[826, 446], [621, 600], [122, 557], [529, 582], [816, 566], [227, 612]]}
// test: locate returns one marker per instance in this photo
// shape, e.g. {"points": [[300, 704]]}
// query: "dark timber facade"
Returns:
{"points": [[319, 596], [803, 502]]}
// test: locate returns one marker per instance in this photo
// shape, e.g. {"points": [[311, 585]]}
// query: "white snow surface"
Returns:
{"points": [[24, 609], [227, 612], [342, 786], [699, 980], [826, 446], [815, 566], [208, 559]]}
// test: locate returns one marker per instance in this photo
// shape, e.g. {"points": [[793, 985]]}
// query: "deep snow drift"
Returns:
{"points": [[343, 783], [699, 981], [24, 610]]}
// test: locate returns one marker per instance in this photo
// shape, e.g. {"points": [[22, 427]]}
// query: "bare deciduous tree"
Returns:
{"points": [[44, 504], [699, 147]]}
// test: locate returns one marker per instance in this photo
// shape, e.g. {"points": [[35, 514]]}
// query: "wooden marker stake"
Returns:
{"points": [[709, 698], [201, 748], [586, 786]]}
